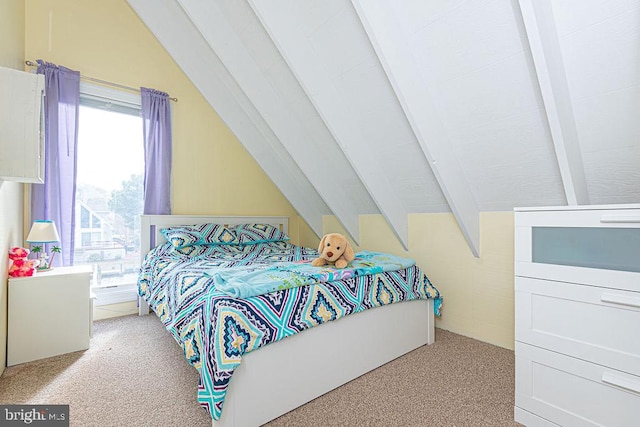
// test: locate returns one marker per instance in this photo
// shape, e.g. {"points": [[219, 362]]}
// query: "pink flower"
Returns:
{"points": [[20, 265], [18, 252]]}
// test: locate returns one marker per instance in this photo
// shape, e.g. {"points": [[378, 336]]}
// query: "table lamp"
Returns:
{"points": [[44, 231]]}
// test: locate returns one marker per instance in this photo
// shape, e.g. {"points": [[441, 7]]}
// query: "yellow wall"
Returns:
{"points": [[306, 236], [107, 40], [478, 292], [11, 198]]}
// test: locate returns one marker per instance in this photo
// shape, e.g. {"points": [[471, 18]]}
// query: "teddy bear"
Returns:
{"points": [[334, 249], [20, 265]]}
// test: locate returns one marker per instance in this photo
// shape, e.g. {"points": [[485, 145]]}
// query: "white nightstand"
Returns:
{"points": [[49, 314]]}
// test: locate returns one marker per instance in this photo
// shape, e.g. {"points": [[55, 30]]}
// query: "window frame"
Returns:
{"points": [[116, 97], [122, 102]]}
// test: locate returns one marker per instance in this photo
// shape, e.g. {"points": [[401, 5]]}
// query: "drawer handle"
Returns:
{"points": [[621, 300], [621, 382], [620, 218]]}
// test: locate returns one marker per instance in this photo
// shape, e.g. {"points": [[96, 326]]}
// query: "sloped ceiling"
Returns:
{"points": [[384, 107]]}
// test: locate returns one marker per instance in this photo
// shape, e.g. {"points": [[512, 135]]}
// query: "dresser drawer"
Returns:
{"points": [[603, 216], [595, 324], [572, 392], [599, 247]]}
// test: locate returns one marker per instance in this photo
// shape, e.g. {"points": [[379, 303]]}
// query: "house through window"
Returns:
{"points": [[109, 194]]}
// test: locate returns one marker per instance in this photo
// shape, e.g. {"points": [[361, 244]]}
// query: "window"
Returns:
{"points": [[109, 197], [84, 217]]}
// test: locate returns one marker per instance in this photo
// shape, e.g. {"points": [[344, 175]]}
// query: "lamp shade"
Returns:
{"points": [[43, 231]]}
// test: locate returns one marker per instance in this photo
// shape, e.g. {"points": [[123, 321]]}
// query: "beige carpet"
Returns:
{"points": [[134, 374]]}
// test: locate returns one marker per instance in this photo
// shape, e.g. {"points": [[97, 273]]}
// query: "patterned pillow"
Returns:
{"points": [[250, 234], [200, 234]]}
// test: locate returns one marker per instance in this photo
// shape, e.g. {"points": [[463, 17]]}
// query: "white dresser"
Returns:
{"points": [[577, 314]]}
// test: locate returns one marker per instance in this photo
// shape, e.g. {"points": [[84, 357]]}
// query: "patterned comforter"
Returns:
{"points": [[215, 329]]}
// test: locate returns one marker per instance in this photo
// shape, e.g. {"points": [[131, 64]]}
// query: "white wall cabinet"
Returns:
{"points": [[49, 314], [21, 126], [577, 279]]}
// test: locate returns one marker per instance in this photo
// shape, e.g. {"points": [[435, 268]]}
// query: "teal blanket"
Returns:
{"points": [[252, 280]]}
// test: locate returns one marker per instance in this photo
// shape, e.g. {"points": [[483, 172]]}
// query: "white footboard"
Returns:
{"points": [[275, 379]]}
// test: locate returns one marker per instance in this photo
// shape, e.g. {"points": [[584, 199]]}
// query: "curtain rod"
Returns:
{"points": [[93, 79]]}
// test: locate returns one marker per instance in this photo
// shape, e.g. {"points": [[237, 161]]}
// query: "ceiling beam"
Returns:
{"points": [[315, 79], [391, 46], [177, 34], [276, 107], [541, 31]]}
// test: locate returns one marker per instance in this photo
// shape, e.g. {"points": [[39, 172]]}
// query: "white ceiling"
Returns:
{"points": [[376, 106]]}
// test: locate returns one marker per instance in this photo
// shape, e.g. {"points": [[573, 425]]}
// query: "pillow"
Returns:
{"points": [[250, 234], [226, 251], [200, 234]]}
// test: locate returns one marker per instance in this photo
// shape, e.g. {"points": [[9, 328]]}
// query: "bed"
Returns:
{"points": [[302, 362]]}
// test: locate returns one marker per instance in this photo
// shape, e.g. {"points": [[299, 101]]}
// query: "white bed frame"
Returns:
{"points": [[313, 362]]}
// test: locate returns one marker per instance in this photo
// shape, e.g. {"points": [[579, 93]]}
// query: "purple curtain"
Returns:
{"points": [[156, 118], [55, 199]]}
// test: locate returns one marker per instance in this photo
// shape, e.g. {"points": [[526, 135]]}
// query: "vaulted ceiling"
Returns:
{"points": [[417, 106]]}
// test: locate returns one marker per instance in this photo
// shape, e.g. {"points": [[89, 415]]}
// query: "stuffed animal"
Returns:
{"points": [[20, 265], [334, 249]]}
